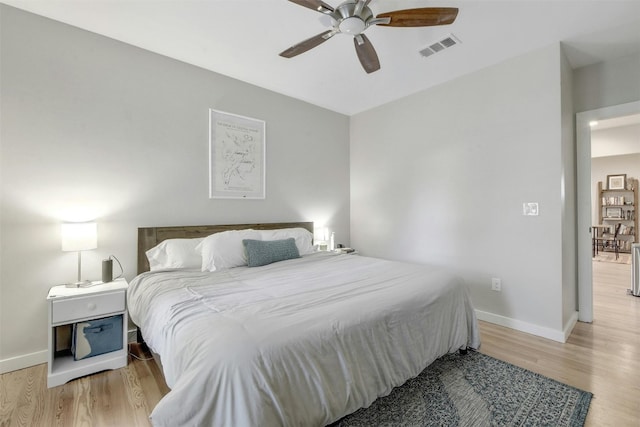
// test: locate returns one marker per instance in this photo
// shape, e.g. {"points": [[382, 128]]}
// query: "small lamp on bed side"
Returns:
{"points": [[320, 238], [79, 236]]}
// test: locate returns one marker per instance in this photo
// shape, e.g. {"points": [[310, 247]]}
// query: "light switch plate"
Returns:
{"points": [[530, 208]]}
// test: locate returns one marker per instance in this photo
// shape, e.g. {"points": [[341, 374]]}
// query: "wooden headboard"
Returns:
{"points": [[148, 237]]}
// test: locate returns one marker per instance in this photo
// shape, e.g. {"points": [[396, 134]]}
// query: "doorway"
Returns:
{"points": [[584, 196]]}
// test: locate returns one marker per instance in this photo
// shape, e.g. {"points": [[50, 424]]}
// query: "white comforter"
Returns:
{"points": [[298, 342]]}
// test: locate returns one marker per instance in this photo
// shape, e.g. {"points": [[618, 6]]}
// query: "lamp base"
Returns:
{"points": [[89, 283], [80, 284]]}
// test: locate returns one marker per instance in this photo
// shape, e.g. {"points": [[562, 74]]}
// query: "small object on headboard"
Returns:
{"points": [[149, 237]]}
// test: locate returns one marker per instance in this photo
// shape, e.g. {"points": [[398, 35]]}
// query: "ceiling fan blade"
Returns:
{"points": [[317, 5], [366, 53], [421, 17], [308, 44]]}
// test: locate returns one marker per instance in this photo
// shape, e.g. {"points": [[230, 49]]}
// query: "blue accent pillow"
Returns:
{"points": [[263, 252]]}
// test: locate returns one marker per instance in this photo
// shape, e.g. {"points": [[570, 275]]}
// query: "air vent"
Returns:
{"points": [[440, 45]]}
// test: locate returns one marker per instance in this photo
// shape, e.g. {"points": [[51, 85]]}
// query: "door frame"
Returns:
{"points": [[584, 200]]}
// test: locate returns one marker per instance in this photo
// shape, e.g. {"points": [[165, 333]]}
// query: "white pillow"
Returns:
{"points": [[224, 250], [175, 253], [304, 238]]}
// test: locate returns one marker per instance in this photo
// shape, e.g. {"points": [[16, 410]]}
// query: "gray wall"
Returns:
{"points": [[607, 83], [568, 197], [96, 129], [440, 177], [93, 128]]}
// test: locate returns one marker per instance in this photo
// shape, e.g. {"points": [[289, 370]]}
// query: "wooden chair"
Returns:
{"points": [[610, 242]]}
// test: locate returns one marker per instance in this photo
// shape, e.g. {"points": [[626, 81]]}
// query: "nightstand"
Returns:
{"points": [[73, 305]]}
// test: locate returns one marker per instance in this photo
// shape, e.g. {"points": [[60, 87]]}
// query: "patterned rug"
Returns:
{"points": [[475, 390]]}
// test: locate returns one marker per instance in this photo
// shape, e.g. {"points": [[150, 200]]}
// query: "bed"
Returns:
{"points": [[301, 341]]}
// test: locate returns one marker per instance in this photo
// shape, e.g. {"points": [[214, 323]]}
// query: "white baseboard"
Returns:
{"points": [[568, 328], [24, 361], [530, 328]]}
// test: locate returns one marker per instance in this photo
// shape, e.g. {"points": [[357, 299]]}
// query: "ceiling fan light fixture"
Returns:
{"points": [[352, 25]]}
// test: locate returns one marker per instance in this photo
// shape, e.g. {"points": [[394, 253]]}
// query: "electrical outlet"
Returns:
{"points": [[496, 284]]}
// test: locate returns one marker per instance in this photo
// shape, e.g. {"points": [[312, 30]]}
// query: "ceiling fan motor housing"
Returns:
{"points": [[346, 20]]}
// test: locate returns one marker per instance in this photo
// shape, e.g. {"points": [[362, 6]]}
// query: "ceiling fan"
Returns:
{"points": [[354, 17]]}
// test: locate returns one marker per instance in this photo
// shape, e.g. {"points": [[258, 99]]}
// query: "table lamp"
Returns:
{"points": [[79, 236], [320, 237]]}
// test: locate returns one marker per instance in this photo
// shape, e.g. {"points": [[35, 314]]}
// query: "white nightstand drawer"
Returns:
{"points": [[65, 310]]}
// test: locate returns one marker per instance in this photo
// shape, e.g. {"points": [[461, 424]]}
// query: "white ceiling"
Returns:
{"points": [[242, 39], [633, 119], [616, 137]]}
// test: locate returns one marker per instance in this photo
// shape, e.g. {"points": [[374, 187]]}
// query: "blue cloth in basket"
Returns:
{"points": [[95, 337]]}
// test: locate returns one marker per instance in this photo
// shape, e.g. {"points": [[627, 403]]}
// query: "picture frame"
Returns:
{"points": [[613, 213], [617, 182], [237, 156]]}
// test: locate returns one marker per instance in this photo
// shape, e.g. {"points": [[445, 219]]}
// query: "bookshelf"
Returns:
{"points": [[619, 206]]}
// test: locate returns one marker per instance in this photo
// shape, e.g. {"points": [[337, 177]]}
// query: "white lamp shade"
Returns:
{"points": [[321, 234], [79, 236]]}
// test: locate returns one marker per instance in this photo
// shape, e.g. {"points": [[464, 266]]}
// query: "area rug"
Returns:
{"points": [[475, 390]]}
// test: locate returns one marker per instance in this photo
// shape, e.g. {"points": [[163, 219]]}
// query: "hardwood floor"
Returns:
{"points": [[602, 357], [119, 398]]}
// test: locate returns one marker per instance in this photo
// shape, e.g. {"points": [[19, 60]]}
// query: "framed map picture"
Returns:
{"points": [[236, 156]]}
